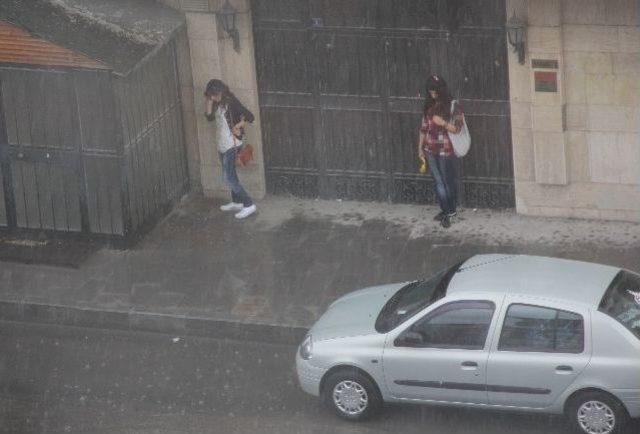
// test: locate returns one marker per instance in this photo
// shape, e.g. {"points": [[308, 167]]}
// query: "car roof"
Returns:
{"points": [[560, 279]]}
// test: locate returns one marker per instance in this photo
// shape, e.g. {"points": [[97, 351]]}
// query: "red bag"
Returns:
{"points": [[244, 155]]}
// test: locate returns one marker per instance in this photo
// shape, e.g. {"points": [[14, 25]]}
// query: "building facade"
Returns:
{"points": [[556, 135], [577, 150]]}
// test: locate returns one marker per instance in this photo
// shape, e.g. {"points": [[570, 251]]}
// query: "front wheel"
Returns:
{"points": [[351, 395], [597, 413]]}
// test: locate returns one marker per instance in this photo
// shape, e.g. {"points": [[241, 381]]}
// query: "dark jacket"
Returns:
{"points": [[235, 113]]}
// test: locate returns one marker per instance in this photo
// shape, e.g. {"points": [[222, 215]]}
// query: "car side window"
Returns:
{"points": [[461, 324], [540, 329]]}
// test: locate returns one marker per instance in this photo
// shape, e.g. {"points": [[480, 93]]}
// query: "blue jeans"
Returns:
{"points": [[228, 162], [444, 173]]}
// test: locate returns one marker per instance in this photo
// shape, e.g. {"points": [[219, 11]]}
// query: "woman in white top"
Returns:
{"points": [[231, 118]]}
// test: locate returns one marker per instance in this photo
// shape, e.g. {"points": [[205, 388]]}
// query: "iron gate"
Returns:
{"points": [[40, 161], [87, 151], [340, 95]]}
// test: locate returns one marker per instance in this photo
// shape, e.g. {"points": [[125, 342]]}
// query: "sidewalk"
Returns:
{"points": [[270, 277]]}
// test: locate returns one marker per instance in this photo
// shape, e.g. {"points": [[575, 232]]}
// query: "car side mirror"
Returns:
{"points": [[409, 339]]}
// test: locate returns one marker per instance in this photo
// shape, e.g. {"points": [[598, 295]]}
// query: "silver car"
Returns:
{"points": [[495, 331]]}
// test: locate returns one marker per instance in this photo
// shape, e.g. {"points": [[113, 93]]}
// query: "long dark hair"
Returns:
{"points": [[442, 105], [215, 87]]}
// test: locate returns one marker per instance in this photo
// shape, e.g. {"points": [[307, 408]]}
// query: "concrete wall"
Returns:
{"points": [[212, 56], [577, 150], [183, 54]]}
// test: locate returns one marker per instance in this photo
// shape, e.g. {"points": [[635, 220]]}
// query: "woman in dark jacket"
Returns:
{"points": [[231, 118], [435, 144]]}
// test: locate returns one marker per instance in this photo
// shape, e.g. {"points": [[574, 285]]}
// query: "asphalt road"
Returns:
{"points": [[57, 379]]}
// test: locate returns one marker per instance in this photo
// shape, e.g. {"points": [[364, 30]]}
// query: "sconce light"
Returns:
{"points": [[227, 17], [517, 36]]}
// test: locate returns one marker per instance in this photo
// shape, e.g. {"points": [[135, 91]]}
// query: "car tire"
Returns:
{"points": [[597, 412], [351, 395]]}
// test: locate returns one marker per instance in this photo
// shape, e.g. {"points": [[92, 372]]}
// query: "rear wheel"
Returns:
{"points": [[351, 395], [597, 413]]}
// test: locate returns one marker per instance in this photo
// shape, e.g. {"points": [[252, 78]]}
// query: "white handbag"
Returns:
{"points": [[460, 141]]}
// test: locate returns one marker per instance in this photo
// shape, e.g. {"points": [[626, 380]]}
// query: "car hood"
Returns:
{"points": [[354, 314]]}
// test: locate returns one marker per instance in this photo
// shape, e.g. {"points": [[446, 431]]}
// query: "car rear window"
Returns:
{"points": [[622, 301], [530, 328]]}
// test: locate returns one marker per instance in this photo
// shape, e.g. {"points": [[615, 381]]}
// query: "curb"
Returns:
{"points": [[150, 322]]}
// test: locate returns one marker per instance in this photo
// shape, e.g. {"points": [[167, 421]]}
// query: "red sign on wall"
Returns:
{"points": [[546, 81]]}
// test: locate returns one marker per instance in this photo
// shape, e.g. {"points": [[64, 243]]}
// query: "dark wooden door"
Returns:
{"points": [[5, 189], [60, 151], [39, 150], [341, 84]]}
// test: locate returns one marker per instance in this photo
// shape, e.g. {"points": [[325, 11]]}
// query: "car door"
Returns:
{"points": [[442, 355], [539, 350]]}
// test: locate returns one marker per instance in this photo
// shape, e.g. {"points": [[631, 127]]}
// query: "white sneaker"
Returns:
{"points": [[231, 206], [246, 212]]}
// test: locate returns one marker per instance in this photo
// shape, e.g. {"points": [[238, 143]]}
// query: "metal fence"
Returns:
{"points": [[89, 151]]}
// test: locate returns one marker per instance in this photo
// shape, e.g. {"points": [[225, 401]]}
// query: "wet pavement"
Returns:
{"points": [[56, 379], [284, 266]]}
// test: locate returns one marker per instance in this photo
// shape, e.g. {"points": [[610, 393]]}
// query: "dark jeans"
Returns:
{"points": [[228, 162], [444, 173]]}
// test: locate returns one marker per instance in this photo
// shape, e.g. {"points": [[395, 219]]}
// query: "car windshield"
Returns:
{"points": [[412, 298], [622, 301]]}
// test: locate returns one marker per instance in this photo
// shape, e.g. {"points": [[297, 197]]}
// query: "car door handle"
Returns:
{"points": [[564, 369], [469, 365]]}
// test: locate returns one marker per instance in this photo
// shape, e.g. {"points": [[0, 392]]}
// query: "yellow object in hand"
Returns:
{"points": [[423, 165]]}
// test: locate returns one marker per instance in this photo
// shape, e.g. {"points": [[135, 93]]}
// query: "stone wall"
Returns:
{"points": [[183, 53], [577, 150], [212, 56]]}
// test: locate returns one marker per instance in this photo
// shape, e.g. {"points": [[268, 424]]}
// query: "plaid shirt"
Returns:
{"points": [[438, 142]]}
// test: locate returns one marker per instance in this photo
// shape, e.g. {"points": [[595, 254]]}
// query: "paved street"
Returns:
{"points": [[285, 265], [201, 273], [57, 379]]}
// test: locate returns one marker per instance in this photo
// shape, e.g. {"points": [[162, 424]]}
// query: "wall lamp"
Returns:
{"points": [[517, 36], [227, 17]]}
